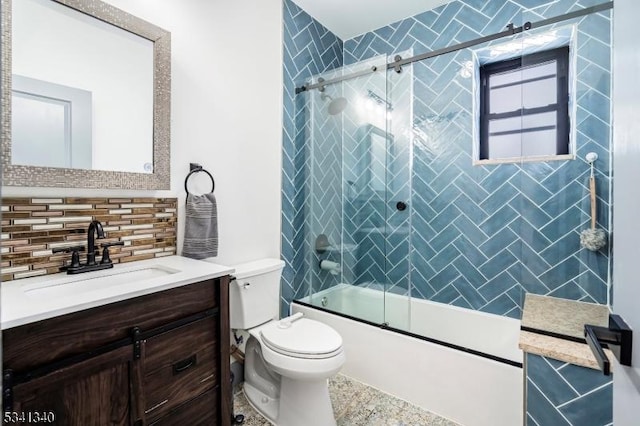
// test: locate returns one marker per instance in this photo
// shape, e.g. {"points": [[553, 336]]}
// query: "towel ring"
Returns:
{"points": [[195, 168]]}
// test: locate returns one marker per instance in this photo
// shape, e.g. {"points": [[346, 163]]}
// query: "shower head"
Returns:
{"points": [[336, 106]]}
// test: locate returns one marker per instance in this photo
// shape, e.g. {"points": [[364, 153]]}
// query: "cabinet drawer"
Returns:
{"points": [[200, 411], [179, 365], [38, 343]]}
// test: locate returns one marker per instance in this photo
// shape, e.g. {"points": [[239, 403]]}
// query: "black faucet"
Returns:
{"points": [[95, 227]]}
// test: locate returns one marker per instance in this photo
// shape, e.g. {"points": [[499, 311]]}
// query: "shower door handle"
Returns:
{"points": [[401, 206]]}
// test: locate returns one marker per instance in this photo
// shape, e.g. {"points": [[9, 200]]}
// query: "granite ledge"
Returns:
{"points": [[561, 317], [560, 349]]}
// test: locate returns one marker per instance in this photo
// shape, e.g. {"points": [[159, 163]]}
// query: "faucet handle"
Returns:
{"points": [[116, 243], [105, 251], [75, 256], [67, 249]]}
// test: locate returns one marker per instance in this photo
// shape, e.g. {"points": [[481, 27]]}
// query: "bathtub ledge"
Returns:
{"points": [[554, 328], [560, 349]]}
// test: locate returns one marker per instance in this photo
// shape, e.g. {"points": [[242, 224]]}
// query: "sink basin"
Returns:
{"points": [[92, 281]]}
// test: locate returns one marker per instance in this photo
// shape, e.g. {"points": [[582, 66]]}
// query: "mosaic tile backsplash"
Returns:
{"points": [[32, 227]]}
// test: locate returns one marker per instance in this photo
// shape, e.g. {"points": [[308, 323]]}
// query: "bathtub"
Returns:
{"points": [[461, 364]]}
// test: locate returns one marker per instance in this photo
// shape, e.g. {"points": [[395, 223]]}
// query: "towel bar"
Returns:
{"points": [[618, 336]]}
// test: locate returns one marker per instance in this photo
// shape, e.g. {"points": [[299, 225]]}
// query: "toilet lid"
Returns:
{"points": [[303, 338]]}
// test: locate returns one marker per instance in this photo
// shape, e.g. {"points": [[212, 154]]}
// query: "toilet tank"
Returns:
{"points": [[254, 296]]}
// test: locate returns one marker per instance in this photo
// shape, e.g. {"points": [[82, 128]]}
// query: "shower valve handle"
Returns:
{"points": [[401, 206]]}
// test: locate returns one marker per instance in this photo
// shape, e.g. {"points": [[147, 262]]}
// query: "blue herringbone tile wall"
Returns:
{"points": [[482, 236], [561, 394], [309, 49], [478, 236]]}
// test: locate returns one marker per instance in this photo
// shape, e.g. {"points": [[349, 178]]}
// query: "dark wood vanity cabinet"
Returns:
{"points": [[159, 359]]}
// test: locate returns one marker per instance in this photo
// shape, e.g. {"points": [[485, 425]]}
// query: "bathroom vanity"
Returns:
{"points": [[157, 356]]}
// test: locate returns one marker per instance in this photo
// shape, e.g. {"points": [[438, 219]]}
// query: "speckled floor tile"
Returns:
{"points": [[356, 404], [390, 411], [345, 393], [251, 416]]}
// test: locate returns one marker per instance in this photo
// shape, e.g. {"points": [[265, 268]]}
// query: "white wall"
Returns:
{"points": [[226, 109], [626, 227]]}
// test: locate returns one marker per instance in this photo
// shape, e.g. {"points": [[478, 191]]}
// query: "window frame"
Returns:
{"points": [[561, 107]]}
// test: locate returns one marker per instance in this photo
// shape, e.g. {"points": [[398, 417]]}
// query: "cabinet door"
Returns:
{"points": [[96, 392]]}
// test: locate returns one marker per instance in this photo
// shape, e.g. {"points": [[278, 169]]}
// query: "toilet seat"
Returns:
{"points": [[303, 338]]}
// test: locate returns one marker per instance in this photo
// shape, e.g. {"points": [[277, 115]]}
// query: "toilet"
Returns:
{"points": [[287, 361]]}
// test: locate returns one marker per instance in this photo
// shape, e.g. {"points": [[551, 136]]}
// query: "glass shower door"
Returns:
{"points": [[364, 169], [376, 192], [399, 117], [357, 191]]}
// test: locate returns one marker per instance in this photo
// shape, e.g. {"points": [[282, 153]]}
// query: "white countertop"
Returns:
{"points": [[22, 305]]}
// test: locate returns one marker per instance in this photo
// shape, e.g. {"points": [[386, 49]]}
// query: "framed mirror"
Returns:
{"points": [[86, 93]]}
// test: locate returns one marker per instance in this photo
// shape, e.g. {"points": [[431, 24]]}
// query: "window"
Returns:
{"points": [[524, 108]]}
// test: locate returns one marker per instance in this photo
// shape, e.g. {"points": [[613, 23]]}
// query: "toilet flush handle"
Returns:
{"points": [[239, 283]]}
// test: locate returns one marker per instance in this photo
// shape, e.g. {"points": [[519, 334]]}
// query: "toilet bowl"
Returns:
{"points": [[287, 361]]}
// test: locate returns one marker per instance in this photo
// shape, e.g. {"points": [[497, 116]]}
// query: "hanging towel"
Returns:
{"points": [[201, 227]]}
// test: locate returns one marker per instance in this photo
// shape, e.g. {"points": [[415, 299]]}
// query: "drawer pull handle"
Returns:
{"points": [[156, 406], [185, 364], [209, 377]]}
